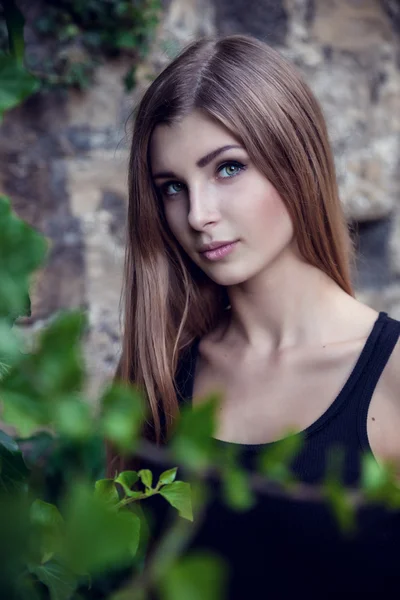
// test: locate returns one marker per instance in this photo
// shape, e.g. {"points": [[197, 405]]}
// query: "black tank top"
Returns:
{"points": [[282, 548]]}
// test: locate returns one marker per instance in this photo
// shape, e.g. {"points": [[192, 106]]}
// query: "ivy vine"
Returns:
{"points": [[73, 37]]}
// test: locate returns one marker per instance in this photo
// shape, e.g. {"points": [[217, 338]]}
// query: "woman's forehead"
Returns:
{"points": [[191, 139]]}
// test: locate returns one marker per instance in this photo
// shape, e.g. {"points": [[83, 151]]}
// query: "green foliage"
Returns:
{"points": [[197, 577], [237, 492], [380, 482], [275, 460], [64, 541], [16, 267], [342, 508], [97, 535], [82, 34], [192, 444], [46, 531], [79, 36], [127, 479], [16, 82], [44, 386], [93, 527], [123, 414]]}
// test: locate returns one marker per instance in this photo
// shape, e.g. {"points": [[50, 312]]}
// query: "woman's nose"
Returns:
{"points": [[203, 208]]}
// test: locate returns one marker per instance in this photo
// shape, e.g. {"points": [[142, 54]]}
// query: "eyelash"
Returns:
{"points": [[234, 163]]}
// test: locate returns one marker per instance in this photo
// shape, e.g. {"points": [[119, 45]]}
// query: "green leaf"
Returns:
{"points": [[73, 417], [236, 488], [16, 83], [98, 537], [380, 481], [340, 505], [13, 470], [198, 576], [126, 40], [70, 31], [25, 413], [59, 362], [178, 495], [168, 476], [192, 443], [145, 534], [146, 477], [123, 413], [373, 475], [47, 529], [59, 580], [127, 479], [274, 462], [16, 266], [44, 514], [11, 345], [284, 450], [105, 488], [53, 371]]}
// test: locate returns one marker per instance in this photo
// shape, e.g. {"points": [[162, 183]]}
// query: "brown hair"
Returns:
{"points": [[168, 301]]}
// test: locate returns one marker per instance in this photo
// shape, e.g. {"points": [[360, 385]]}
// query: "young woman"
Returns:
{"points": [[238, 278]]}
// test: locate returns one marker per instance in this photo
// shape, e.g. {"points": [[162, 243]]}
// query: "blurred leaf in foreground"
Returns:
{"points": [[197, 576], [123, 413], [192, 443], [98, 536], [47, 530], [380, 481], [341, 506], [274, 461], [236, 489], [16, 266], [53, 370]]}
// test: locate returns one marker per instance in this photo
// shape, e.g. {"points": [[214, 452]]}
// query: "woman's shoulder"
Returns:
{"points": [[384, 426]]}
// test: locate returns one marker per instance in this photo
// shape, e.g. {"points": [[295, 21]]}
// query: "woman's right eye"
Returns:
{"points": [[165, 187]]}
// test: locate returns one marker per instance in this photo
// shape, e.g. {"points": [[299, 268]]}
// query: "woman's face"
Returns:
{"points": [[211, 195]]}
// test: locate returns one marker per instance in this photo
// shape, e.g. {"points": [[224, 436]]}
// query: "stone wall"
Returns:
{"points": [[64, 156]]}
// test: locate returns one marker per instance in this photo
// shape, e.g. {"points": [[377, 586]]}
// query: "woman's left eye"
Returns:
{"points": [[236, 165]]}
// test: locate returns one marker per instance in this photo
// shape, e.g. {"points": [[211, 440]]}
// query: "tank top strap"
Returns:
{"points": [[380, 349]]}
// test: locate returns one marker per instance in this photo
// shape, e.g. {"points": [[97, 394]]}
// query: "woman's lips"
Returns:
{"points": [[220, 252]]}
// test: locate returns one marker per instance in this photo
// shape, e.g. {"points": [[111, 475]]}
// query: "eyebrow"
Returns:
{"points": [[202, 162]]}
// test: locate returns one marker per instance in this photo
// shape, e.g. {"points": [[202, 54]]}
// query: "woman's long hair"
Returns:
{"points": [[167, 301]]}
